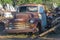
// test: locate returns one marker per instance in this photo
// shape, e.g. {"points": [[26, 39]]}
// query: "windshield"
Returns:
{"points": [[28, 9]]}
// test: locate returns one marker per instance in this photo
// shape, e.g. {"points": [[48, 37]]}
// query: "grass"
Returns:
{"points": [[14, 36]]}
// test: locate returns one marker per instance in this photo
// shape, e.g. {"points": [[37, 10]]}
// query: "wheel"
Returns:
{"points": [[39, 29], [2, 26], [29, 34]]}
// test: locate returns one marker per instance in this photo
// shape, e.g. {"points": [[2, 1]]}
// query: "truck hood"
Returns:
{"points": [[25, 16]]}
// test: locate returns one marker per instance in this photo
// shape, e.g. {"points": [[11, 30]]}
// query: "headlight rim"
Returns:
{"points": [[32, 21]]}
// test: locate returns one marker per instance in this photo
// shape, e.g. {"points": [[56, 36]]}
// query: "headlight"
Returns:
{"points": [[32, 21]]}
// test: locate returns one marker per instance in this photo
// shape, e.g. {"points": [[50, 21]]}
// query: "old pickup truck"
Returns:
{"points": [[26, 19]]}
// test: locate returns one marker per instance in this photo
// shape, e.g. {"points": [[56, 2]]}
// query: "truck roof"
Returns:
{"points": [[29, 4]]}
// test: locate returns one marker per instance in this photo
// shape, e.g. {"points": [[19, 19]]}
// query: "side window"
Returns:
{"points": [[22, 9]]}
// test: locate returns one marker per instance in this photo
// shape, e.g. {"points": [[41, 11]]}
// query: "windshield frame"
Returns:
{"points": [[27, 9]]}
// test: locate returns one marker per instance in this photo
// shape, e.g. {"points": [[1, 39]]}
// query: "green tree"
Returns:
{"points": [[30, 1], [6, 1]]}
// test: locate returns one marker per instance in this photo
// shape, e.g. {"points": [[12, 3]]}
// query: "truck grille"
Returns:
{"points": [[21, 25]]}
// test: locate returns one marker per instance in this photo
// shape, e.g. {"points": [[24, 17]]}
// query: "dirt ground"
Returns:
{"points": [[50, 36]]}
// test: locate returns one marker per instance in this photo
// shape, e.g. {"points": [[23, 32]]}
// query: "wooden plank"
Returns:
{"points": [[50, 30]]}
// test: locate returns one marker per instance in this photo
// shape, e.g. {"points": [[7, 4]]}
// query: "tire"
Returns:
{"points": [[29, 34], [2, 26], [39, 29]]}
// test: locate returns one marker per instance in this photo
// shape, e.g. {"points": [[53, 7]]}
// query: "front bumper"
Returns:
{"points": [[20, 31]]}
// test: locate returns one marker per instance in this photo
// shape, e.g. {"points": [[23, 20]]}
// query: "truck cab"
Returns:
{"points": [[26, 19]]}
